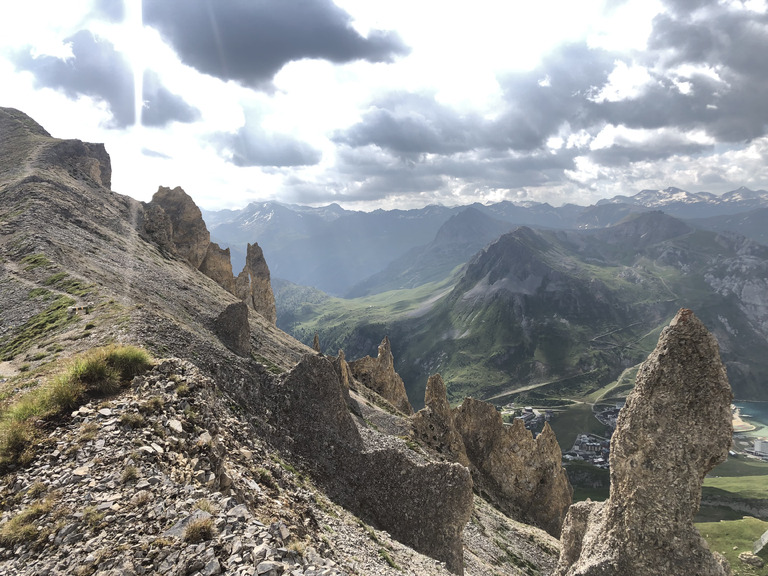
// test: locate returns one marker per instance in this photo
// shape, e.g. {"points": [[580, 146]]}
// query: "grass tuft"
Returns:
{"points": [[199, 530], [98, 373]]}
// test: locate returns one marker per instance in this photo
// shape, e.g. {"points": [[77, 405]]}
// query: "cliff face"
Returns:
{"points": [[379, 375], [217, 265], [674, 428]]}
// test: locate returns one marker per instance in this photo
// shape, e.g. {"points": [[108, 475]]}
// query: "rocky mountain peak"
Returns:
{"points": [[674, 428]]}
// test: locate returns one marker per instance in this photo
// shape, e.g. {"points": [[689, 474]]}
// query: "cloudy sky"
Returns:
{"points": [[400, 103]]}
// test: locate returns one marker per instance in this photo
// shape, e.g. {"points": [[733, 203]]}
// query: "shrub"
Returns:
{"points": [[199, 530]]}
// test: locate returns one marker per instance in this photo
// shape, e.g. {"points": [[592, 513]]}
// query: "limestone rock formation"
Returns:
{"points": [[217, 265], [189, 236], [253, 284], [423, 504], [233, 329], [316, 343], [520, 475], [434, 423], [674, 428], [379, 375]]}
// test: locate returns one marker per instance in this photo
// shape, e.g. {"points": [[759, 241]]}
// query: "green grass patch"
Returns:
{"points": [[62, 281], [32, 261], [731, 538], [21, 527], [744, 487], [54, 317], [43, 293]]}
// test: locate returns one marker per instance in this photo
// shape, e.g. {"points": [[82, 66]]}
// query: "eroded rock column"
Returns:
{"points": [[675, 427]]}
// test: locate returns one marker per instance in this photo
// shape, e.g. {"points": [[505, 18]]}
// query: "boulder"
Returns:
{"points": [[674, 428], [233, 329], [379, 375]]}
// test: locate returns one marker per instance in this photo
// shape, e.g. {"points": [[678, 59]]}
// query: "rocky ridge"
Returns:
{"points": [[122, 484], [229, 386], [674, 428]]}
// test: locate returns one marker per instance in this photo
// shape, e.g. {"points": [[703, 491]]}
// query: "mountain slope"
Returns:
{"points": [[250, 441]]}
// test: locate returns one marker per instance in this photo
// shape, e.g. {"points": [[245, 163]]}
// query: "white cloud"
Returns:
{"points": [[624, 83]]}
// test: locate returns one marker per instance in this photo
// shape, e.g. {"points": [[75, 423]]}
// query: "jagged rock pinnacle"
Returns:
{"points": [[675, 427], [379, 375]]}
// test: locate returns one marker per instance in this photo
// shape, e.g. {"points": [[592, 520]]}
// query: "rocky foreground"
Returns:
{"points": [[244, 452]]}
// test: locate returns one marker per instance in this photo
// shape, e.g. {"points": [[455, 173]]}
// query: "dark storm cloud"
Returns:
{"points": [[162, 106], [99, 71], [249, 41], [253, 146]]}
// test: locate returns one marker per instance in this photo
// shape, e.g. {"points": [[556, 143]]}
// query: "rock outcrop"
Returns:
{"points": [[434, 424], [83, 161], [520, 475], [674, 428], [421, 503], [217, 265], [233, 329], [379, 375], [253, 284], [189, 236]]}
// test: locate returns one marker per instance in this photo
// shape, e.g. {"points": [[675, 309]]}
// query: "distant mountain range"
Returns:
{"points": [[350, 253], [550, 314]]}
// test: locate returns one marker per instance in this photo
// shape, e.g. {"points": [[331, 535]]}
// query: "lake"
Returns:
{"points": [[755, 413]]}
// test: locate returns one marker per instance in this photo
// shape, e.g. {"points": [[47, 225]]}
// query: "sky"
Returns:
{"points": [[399, 103]]}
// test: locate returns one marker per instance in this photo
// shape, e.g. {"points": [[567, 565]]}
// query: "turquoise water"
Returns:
{"points": [[755, 413]]}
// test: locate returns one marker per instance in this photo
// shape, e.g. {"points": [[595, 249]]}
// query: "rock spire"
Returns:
{"points": [[379, 375], [253, 284], [674, 428]]}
